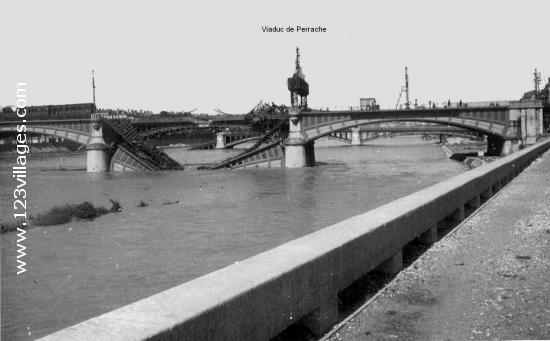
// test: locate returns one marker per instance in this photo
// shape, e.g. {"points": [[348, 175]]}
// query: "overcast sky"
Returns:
{"points": [[171, 55]]}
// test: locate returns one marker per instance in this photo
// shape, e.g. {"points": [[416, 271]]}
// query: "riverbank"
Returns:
{"points": [[460, 151], [477, 161], [489, 279]]}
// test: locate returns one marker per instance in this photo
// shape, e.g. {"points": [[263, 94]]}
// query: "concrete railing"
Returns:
{"points": [[261, 296]]}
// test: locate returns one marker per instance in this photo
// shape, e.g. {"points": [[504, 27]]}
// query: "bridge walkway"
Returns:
{"points": [[488, 279]]}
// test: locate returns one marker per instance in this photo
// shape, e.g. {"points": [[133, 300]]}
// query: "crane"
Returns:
{"points": [[404, 89]]}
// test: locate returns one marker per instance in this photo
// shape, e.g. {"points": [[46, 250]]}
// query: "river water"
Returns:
{"points": [[195, 222]]}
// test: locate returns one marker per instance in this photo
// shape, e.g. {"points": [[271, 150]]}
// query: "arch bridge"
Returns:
{"points": [[110, 144], [359, 135], [508, 126]]}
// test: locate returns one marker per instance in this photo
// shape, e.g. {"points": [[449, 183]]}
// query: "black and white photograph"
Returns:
{"points": [[274, 170]]}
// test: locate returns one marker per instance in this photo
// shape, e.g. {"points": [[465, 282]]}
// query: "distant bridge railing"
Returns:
{"points": [[438, 105]]}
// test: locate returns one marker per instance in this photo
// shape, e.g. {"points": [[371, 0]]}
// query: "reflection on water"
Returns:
{"points": [[196, 222]]}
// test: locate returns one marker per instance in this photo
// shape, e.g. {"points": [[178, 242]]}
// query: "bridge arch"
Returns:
{"points": [[76, 136], [396, 134], [490, 128], [166, 130], [242, 141]]}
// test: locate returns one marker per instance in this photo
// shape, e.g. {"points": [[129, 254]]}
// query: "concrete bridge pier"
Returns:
{"points": [[355, 136], [510, 146], [97, 158], [309, 148], [526, 124], [530, 117], [295, 156], [497, 146], [220, 140], [494, 145], [298, 152]]}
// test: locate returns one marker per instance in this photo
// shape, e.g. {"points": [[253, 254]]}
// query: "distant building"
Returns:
{"points": [[368, 103], [54, 112], [6, 110]]}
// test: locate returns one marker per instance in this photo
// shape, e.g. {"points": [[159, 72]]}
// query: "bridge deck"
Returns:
{"points": [[490, 120]]}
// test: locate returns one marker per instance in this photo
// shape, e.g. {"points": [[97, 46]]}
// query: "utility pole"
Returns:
{"points": [[407, 103], [537, 80], [93, 89]]}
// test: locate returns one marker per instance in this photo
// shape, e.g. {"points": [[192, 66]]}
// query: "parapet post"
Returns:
{"points": [[97, 151], [393, 265], [430, 235]]}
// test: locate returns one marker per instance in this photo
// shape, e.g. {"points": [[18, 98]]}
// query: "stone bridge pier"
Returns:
{"points": [[356, 136], [530, 114], [97, 150], [298, 152], [526, 125], [220, 140]]}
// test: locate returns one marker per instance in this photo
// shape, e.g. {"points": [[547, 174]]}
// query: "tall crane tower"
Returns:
{"points": [[537, 80], [297, 85], [93, 90], [404, 89]]}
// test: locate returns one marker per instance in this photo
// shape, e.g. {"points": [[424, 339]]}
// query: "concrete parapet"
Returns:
{"points": [[261, 296]]}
